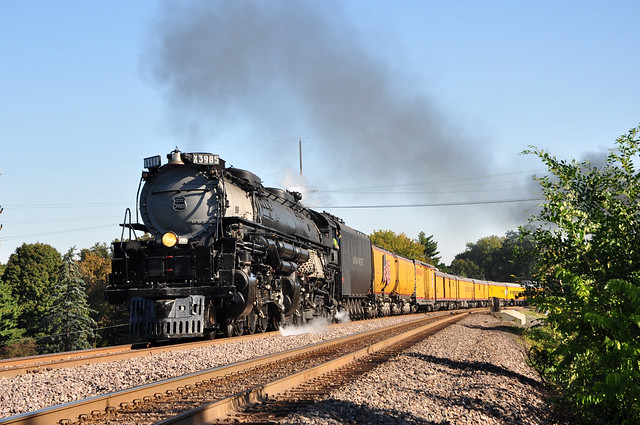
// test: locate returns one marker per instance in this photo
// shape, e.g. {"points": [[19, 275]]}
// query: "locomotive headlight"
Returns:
{"points": [[169, 239]]}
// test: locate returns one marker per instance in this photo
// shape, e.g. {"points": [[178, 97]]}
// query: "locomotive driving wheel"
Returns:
{"points": [[210, 328], [252, 323], [227, 327], [239, 326], [262, 319], [233, 327]]}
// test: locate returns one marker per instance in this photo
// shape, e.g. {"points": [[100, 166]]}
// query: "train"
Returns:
{"points": [[220, 253]]}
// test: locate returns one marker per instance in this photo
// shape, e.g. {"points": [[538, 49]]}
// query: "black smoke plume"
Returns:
{"points": [[300, 68]]}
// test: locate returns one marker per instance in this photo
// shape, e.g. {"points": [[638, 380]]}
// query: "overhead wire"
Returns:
{"points": [[55, 232], [442, 184], [433, 204]]}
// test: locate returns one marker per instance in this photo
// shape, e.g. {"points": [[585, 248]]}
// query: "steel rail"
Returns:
{"points": [[221, 409], [34, 364], [69, 412]]}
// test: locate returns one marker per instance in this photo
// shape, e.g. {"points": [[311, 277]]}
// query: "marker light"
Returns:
{"points": [[169, 239]]}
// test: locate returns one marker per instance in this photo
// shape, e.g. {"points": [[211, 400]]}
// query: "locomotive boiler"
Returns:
{"points": [[221, 252]]}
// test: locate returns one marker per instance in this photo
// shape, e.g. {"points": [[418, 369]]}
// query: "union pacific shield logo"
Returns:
{"points": [[179, 203]]}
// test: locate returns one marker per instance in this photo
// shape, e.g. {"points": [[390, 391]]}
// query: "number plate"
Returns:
{"points": [[205, 159]]}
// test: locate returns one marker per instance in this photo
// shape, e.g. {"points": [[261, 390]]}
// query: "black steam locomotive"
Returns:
{"points": [[221, 252]]}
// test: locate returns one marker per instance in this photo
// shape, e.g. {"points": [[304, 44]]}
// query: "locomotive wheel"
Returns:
{"points": [[210, 334], [275, 318], [210, 328], [262, 319], [228, 328], [252, 323], [297, 318], [239, 326]]}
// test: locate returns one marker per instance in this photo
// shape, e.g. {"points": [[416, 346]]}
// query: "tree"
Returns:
{"points": [[485, 253], [431, 252], [9, 313], [400, 244], [588, 237], [31, 273], [94, 267], [518, 256], [68, 324], [465, 268]]}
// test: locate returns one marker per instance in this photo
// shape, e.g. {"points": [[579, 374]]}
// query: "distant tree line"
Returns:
{"points": [[509, 258]]}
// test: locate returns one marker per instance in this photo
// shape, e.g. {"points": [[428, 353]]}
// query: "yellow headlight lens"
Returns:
{"points": [[169, 239]]}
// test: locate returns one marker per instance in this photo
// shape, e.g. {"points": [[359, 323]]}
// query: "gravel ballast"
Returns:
{"points": [[473, 372], [27, 393]]}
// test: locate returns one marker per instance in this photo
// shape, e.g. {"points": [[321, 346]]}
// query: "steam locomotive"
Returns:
{"points": [[221, 253]]}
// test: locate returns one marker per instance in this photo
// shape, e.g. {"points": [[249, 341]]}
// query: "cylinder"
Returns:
{"points": [[287, 251]]}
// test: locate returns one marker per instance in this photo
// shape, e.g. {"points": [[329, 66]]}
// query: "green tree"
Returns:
{"points": [[9, 313], [11, 342], [589, 281], [68, 324], [431, 252], [465, 268], [400, 244], [31, 273], [518, 256], [95, 266], [486, 254]]}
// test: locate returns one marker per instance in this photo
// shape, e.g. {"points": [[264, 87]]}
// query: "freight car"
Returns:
{"points": [[222, 253]]}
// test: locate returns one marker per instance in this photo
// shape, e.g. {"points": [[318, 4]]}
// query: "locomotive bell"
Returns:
{"points": [[176, 158]]}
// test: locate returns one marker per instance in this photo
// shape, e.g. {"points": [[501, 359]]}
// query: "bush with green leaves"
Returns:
{"points": [[588, 241]]}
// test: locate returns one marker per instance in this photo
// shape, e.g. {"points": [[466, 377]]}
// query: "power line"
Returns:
{"points": [[437, 204], [69, 205], [65, 219], [442, 184], [57, 232]]}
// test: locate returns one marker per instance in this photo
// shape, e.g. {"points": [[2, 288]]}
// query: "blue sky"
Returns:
{"points": [[396, 103]]}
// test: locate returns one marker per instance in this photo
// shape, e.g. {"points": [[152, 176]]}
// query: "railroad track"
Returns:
{"points": [[34, 364], [211, 395]]}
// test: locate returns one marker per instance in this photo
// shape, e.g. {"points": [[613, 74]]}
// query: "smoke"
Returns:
{"points": [[296, 182], [299, 67], [315, 326]]}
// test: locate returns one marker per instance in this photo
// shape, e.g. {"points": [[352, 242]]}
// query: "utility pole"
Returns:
{"points": [[300, 150]]}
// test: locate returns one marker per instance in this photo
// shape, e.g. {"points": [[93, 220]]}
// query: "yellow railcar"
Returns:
{"points": [[446, 289], [481, 288], [394, 282], [406, 287], [425, 285], [385, 267], [514, 293], [466, 291], [497, 290], [401, 285]]}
